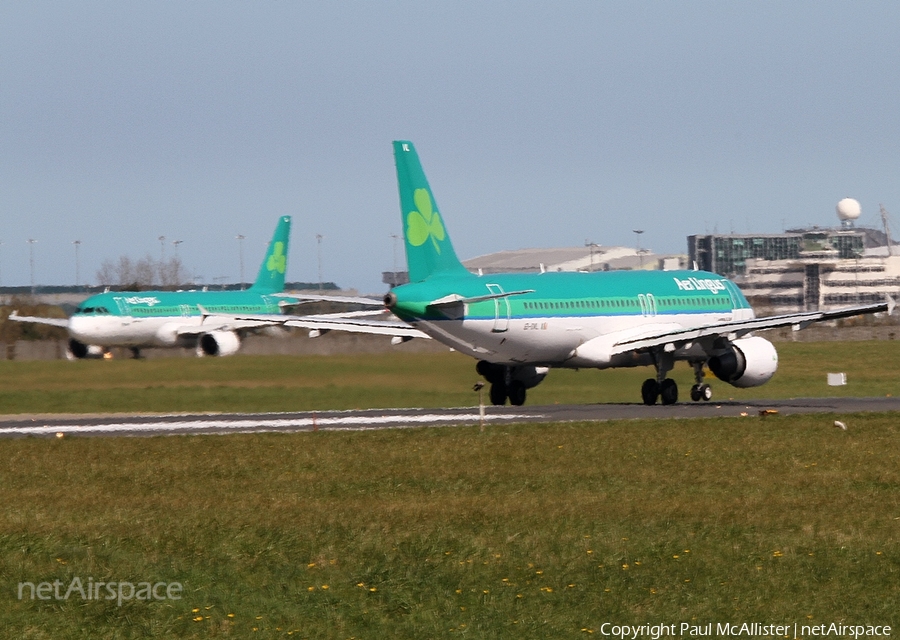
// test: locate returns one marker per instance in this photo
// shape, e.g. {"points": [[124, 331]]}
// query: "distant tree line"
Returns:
{"points": [[127, 274]]}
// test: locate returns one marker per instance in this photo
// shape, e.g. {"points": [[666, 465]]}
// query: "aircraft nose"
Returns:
{"points": [[78, 327]]}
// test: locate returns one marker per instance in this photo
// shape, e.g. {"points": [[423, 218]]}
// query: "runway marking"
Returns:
{"points": [[258, 425]]}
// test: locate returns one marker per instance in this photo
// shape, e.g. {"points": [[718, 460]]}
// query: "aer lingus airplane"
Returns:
{"points": [[519, 326], [192, 319]]}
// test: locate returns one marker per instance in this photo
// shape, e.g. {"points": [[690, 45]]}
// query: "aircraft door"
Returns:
{"points": [[124, 309], [737, 312], [501, 309]]}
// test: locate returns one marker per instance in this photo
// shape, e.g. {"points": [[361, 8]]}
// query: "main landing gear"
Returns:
{"points": [[510, 383], [665, 389]]}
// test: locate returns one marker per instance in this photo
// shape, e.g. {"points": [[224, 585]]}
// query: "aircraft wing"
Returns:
{"points": [[353, 322], [355, 325], [56, 322], [369, 302], [674, 339]]}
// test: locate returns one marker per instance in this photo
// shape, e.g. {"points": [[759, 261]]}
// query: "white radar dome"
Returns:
{"points": [[848, 209]]}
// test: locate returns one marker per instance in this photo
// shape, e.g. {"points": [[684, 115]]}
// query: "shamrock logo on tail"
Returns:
{"points": [[277, 261], [425, 222]]}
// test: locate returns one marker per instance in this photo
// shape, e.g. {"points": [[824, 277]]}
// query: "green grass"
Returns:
{"points": [[284, 383], [537, 531]]}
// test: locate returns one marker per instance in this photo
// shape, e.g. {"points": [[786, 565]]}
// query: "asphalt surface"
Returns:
{"points": [[148, 425]]}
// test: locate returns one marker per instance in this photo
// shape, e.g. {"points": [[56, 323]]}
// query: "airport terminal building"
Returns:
{"points": [[806, 269]]}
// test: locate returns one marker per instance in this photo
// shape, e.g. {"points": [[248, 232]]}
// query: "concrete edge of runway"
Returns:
{"points": [[54, 425]]}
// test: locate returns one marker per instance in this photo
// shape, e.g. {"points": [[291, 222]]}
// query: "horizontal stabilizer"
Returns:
{"points": [[454, 299]]}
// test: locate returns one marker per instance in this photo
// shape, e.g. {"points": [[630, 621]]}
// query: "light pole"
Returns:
{"points": [[176, 265], [77, 244], [31, 242], [638, 232], [1, 264], [240, 238], [396, 238], [592, 246], [162, 250], [319, 238]]}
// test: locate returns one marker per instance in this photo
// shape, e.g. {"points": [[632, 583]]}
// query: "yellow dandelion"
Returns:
{"points": [[590, 551], [311, 565], [230, 615], [675, 556], [540, 573], [360, 584], [198, 619], [373, 589], [195, 610], [310, 588]]}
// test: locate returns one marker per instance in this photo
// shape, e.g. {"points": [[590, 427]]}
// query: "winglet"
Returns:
{"points": [[891, 303], [204, 314]]}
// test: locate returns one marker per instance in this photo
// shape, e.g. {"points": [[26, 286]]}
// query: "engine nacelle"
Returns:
{"points": [[218, 343], [747, 362]]}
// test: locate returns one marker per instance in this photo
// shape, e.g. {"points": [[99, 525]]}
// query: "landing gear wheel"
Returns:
{"points": [[695, 393], [668, 391], [705, 392], [498, 394], [650, 391], [516, 392]]}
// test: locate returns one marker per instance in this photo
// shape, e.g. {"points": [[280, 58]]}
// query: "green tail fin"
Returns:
{"points": [[271, 272], [428, 248]]}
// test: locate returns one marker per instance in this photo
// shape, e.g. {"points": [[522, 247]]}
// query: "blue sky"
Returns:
{"points": [[539, 124]]}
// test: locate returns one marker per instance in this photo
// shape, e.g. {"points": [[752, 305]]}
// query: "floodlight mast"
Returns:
{"points": [[887, 229]]}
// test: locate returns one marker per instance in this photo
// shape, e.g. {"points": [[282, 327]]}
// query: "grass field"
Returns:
{"points": [[285, 383], [539, 531], [534, 531]]}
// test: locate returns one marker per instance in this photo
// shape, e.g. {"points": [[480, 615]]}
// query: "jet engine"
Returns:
{"points": [[218, 343], [746, 362]]}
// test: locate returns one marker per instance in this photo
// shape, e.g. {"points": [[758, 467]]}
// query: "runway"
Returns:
{"points": [[359, 420]]}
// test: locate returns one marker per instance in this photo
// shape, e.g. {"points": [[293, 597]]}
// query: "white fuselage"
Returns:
{"points": [[553, 341]]}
